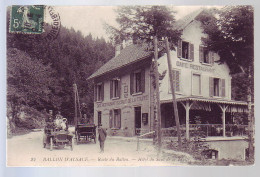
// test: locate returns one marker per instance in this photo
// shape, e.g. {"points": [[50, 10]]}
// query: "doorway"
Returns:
{"points": [[137, 120]]}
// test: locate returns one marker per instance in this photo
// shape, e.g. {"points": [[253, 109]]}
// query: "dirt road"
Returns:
{"points": [[27, 150]]}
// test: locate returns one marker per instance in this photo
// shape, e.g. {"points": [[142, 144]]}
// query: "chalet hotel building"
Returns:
{"points": [[124, 93]]}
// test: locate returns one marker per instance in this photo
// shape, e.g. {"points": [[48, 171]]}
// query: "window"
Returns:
{"points": [[206, 56], [217, 87], [99, 92], [196, 84], [137, 82], [185, 50], [99, 118], [115, 118], [176, 81], [115, 88]]}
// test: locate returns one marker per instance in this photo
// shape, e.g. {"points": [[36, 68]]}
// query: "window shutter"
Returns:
{"points": [[179, 49], [119, 87], [111, 118], [191, 52], [119, 119], [211, 86], [201, 54], [143, 80], [177, 80], [111, 89], [174, 81], [131, 83], [95, 93], [223, 88], [102, 91]]}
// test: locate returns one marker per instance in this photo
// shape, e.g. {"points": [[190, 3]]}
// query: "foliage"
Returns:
{"points": [[194, 147], [29, 82], [141, 23], [41, 74], [230, 33]]}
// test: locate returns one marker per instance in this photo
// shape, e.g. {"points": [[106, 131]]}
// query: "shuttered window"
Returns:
{"points": [[99, 92], [115, 88], [217, 87], [176, 81], [206, 56], [137, 82], [185, 50], [115, 118]]}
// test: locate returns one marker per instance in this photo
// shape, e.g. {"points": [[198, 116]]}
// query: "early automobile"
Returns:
{"points": [[57, 138], [85, 132]]}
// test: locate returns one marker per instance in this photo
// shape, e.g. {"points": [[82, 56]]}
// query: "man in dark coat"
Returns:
{"points": [[102, 134], [49, 121]]}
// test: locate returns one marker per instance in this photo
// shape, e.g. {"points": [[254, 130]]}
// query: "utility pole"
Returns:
{"points": [[176, 116], [75, 104], [159, 133]]}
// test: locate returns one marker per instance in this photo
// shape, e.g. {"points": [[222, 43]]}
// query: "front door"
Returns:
{"points": [[137, 120]]}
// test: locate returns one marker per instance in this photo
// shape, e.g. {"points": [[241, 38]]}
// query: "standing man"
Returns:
{"points": [[49, 121], [102, 134]]}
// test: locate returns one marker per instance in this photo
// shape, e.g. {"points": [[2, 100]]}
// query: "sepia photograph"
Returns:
{"points": [[136, 85]]}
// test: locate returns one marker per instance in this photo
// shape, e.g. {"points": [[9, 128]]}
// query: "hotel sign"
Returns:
{"points": [[123, 101], [194, 67]]}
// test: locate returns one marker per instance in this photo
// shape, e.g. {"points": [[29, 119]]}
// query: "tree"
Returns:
{"points": [[147, 23], [29, 82], [231, 34], [143, 23]]}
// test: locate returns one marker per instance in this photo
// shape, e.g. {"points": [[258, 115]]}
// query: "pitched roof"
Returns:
{"points": [[186, 20], [136, 52], [128, 55]]}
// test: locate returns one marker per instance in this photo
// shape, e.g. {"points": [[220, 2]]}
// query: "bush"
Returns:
{"points": [[27, 118], [194, 147]]}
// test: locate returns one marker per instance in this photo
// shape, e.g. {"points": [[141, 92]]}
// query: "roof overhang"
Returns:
{"points": [[207, 100]]}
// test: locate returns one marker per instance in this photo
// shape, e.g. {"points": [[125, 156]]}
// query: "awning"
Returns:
{"points": [[201, 103]]}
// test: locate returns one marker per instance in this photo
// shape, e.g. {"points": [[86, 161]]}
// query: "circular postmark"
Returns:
{"points": [[51, 25]]}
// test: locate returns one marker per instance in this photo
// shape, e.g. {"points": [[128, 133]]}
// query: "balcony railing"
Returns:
{"points": [[207, 130]]}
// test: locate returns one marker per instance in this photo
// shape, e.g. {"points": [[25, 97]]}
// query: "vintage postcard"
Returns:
{"points": [[130, 86]]}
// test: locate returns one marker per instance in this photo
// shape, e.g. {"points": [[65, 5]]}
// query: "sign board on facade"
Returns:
{"points": [[145, 118], [194, 67]]}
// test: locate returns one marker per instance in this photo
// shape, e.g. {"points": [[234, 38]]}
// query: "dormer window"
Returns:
{"points": [[185, 50]]}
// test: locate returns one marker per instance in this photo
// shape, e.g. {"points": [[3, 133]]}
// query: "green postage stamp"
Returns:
{"points": [[27, 19]]}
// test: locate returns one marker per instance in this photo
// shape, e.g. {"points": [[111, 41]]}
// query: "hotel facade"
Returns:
{"points": [[124, 92]]}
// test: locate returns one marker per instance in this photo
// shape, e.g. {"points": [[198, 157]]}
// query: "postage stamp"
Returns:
{"points": [[27, 19]]}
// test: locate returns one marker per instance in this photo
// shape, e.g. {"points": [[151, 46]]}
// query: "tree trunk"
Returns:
{"points": [[250, 120]]}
